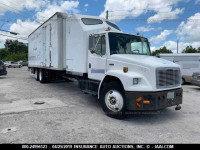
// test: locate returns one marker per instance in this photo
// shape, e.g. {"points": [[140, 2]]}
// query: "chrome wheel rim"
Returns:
{"points": [[114, 100]]}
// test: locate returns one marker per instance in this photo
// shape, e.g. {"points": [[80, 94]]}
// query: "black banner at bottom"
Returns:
{"points": [[99, 146]]}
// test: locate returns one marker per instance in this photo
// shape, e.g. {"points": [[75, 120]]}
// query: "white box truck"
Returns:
{"points": [[115, 66], [189, 63]]}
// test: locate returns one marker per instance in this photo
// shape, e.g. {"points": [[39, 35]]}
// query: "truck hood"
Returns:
{"points": [[143, 60]]}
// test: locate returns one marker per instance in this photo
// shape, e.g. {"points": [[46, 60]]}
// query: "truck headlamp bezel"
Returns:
{"points": [[135, 81]]}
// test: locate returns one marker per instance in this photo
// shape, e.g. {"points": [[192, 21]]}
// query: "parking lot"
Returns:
{"points": [[59, 112]]}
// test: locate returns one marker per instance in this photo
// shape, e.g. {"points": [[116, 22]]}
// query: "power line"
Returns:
{"points": [[14, 33], [17, 12], [21, 38]]}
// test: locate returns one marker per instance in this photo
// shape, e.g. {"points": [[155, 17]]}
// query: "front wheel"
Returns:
{"points": [[112, 100]]}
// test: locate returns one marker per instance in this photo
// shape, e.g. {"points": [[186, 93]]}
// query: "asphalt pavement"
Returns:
{"points": [[58, 112]]}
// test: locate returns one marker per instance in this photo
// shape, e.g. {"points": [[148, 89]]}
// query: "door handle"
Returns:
{"points": [[90, 65]]}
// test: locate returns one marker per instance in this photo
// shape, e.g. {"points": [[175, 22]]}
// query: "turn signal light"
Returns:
{"points": [[146, 102], [139, 99], [125, 69], [137, 102], [138, 105]]}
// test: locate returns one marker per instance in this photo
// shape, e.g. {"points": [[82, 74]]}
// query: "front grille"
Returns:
{"points": [[168, 78]]}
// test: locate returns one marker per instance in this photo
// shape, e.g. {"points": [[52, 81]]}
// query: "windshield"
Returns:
{"points": [[128, 44]]}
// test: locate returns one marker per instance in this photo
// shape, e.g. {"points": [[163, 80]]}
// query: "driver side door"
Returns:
{"points": [[97, 59]]}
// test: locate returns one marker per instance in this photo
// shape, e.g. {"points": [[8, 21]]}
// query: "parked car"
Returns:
{"points": [[2, 69], [23, 62], [12, 64], [196, 79]]}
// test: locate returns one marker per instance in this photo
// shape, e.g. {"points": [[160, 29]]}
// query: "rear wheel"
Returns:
{"points": [[112, 100], [36, 74], [42, 76]]}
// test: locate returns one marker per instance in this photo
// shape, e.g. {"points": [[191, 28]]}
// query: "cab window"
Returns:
{"points": [[90, 21], [100, 45]]}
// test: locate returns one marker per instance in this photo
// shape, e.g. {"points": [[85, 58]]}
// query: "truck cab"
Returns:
{"points": [[130, 78]]}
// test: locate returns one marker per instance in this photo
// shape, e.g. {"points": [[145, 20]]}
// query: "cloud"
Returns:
{"points": [[27, 26], [24, 28], [153, 48], [168, 15], [147, 29], [86, 5], [190, 30], [63, 6], [44, 8], [163, 35], [172, 45], [18, 5], [197, 1], [121, 9]]}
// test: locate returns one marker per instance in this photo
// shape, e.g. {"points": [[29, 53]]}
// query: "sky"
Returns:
{"points": [[163, 22]]}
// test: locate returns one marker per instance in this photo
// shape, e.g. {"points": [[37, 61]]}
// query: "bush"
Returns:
{"points": [[4, 53], [16, 57]]}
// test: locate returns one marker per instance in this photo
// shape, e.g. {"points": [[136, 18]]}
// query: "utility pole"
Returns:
{"points": [[177, 46], [107, 14]]}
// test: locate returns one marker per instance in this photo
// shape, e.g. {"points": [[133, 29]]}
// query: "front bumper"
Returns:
{"points": [[157, 100]]}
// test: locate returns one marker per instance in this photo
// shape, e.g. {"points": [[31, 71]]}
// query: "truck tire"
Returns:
{"points": [[112, 99], [36, 74], [42, 78]]}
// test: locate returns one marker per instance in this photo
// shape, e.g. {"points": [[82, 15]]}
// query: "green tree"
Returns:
{"points": [[190, 49], [14, 46], [161, 50], [3, 53], [14, 51]]}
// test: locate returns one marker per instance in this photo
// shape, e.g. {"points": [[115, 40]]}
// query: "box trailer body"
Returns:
{"points": [[115, 66], [189, 63]]}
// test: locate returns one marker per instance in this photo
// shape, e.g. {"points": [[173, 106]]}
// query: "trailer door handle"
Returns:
{"points": [[89, 65]]}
